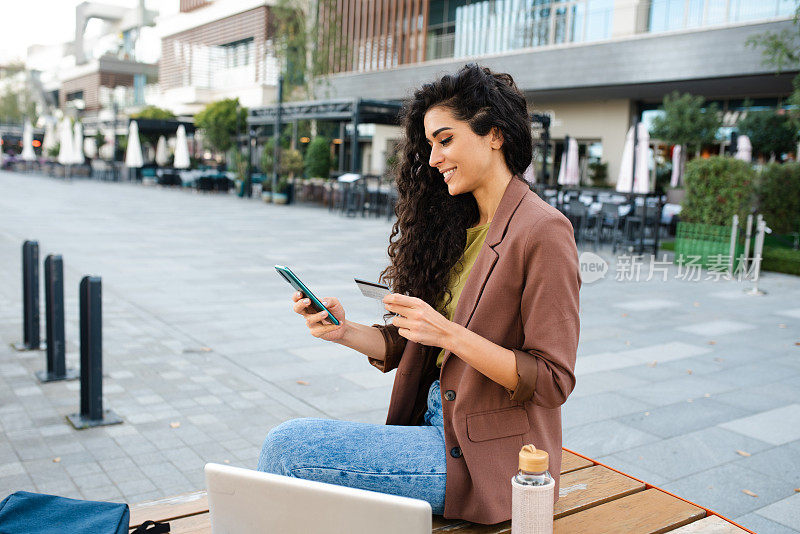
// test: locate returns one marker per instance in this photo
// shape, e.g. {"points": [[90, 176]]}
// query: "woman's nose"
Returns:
{"points": [[436, 157]]}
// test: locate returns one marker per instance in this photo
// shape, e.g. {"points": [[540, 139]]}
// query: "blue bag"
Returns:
{"points": [[28, 513]]}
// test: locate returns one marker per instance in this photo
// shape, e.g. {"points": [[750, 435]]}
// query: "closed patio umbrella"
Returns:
{"points": [[162, 156], [529, 175], [49, 141], [744, 149], [133, 154], [573, 166], [641, 182], [562, 169], [625, 178], [27, 142], [66, 152], [675, 179], [181, 160], [90, 147], [77, 143], [569, 173]]}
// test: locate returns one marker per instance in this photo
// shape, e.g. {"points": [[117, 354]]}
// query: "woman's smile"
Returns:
{"points": [[448, 173]]}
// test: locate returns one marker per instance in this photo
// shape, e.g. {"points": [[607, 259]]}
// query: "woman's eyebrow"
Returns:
{"points": [[440, 130]]}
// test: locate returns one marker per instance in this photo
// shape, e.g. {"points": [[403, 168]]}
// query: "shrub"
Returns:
{"points": [[781, 260], [318, 157], [779, 197], [267, 156], [291, 162], [716, 188]]}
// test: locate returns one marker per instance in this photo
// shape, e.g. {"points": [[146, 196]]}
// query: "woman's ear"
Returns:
{"points": [[497, 138]]}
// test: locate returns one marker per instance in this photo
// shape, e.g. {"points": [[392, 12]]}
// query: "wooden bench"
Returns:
{"points": [[594, 498]]}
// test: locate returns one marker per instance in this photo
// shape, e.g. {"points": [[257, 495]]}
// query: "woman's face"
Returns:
{"points": [[464, 158]]}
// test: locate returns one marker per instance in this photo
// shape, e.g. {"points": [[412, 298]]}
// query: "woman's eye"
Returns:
{"points": [[446, 140]]}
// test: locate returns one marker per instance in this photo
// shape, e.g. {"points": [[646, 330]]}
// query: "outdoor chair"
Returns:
{"points": [[353, 198], [391, 200], [639, 230], [607, 224], [578, 215], [205, 183], [371, 200]]}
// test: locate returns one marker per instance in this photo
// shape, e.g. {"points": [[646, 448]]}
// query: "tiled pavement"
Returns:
{"points": [[693, 386]]}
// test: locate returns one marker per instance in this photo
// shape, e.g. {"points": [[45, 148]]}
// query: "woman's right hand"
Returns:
{"points": [[318, 323]]}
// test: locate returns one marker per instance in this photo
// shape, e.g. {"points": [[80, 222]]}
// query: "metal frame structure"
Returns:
{"points": [[353, 110]]}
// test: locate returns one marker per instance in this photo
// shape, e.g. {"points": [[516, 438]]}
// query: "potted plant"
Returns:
{"points": [[266, 190], [281, 196]]}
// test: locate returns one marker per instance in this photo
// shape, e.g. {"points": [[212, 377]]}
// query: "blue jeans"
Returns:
{"points": [[400, 460]]}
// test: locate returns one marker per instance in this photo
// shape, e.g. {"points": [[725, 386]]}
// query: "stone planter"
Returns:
{"points": [[280, 198], [266, 196]]}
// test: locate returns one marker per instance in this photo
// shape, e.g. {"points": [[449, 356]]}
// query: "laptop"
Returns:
{"points": [[249, 502]]}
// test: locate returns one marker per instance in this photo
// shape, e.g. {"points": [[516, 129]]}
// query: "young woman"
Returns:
{"points": [[485, 278]]}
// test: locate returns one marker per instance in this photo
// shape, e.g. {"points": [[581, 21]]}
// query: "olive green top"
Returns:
{"points": [[475, 238]]}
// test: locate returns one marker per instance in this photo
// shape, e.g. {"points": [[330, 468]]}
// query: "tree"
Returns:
{"points": [[318, 157], [686, 121], [770, 133], [220, 121], [154, 112], [782, 49], [15, 105], [304, 44]]}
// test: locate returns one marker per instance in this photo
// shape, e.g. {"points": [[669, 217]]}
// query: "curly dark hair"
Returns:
{"points": [[430, 232]]}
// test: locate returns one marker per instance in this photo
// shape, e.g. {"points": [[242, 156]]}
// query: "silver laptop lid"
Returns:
{"points": [[244, 501]]}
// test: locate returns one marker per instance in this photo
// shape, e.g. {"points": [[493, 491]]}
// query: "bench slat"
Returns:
{"points": [[709, 525], [196, 524], [592, 486], [569, 463], [169, 508], [647, 512], [572, 462]]}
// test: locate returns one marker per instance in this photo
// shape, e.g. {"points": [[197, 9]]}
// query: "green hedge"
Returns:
{"points": [[781, 260], [716, 188], [779, 197], [318, 157]]}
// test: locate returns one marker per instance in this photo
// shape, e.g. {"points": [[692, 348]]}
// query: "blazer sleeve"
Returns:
{"points": [[395, 345], [549, 314]]}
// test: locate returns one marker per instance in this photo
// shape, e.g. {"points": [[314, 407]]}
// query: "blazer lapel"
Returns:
{"points": [[487, 257]]}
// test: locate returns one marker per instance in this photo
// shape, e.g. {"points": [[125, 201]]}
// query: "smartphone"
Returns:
{"points": [[295, 282]]}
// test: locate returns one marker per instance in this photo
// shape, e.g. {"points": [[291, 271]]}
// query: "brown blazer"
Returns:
{"points": [[522, 294]]}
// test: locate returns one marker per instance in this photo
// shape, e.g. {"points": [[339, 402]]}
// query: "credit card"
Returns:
{"points": [[372, 290]]}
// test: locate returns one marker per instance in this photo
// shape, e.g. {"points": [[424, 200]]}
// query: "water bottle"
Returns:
{"points": [[532, 493]]}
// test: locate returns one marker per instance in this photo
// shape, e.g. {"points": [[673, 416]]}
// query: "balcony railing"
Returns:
{"points": [[668, 15], [496, 26]]}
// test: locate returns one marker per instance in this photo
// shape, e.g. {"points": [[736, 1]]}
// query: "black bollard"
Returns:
{"points": [[54, 322], [91, 319], [30, 297]]}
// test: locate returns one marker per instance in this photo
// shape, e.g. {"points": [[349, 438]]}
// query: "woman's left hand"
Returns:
{"points": [[418, 321]]}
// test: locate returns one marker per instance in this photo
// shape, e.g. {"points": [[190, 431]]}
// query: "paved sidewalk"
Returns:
{"points": [[692, 386]]}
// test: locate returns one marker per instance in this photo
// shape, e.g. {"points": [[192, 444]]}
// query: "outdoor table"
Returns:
{"points": [[594, 498]]}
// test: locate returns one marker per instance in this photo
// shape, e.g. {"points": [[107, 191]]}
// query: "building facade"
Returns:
{"points": [[218, 49], [595, 66]]}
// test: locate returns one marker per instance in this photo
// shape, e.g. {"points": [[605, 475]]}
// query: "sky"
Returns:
{"points": [[28, 22]]}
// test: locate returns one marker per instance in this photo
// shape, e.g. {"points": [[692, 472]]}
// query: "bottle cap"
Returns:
{"points": [[533, 460]]}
